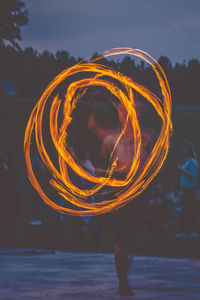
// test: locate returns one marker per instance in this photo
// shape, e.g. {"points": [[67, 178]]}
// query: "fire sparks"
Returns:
{"points": [[136, 179]]}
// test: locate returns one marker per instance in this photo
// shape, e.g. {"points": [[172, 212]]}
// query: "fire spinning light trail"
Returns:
{"points": [[137, 179]]}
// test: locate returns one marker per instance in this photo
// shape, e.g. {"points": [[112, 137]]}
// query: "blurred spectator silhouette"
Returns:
{"points": [[175, 199], [9, 202], [188, 183], [157, 210], [35, 199]]}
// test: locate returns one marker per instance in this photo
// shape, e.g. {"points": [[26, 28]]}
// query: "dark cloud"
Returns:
{"points": [[84, 26]]}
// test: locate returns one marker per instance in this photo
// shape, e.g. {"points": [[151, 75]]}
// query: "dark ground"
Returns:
{"points": [[36, 274]]}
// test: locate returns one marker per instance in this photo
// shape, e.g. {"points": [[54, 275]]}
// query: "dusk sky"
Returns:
{"points": [[82, 27]]}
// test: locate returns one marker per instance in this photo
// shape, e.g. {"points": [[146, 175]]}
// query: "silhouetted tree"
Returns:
{"points": [[127, 66], [13, 16], [62, 58], [28, 66], [165, 63]]}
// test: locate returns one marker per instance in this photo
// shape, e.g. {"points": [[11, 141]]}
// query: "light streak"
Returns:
{"points": [[137, 179]]}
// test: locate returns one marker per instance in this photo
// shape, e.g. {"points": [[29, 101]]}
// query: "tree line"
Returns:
{"points": [[30, 71]]}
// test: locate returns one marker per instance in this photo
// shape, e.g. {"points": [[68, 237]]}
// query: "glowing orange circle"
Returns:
{"points": [[136, 180]]}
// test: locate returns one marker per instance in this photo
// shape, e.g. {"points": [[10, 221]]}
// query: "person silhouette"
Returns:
{"points": [[188, 182]]}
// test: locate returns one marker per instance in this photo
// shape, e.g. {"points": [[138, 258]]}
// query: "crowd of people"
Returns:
{"points": [[96, 133]]}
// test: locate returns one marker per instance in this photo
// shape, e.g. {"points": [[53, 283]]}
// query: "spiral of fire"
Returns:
{"points": [[137, 179]]}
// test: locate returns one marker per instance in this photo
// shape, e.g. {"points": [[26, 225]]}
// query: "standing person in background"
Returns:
{"points": [[34, 196], [82, 145], [188, 182], [157, 210], [87, 222], [9, 204]]}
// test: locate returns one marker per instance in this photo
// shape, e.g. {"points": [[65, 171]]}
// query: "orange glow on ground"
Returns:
{"points": [[137, 179]]}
